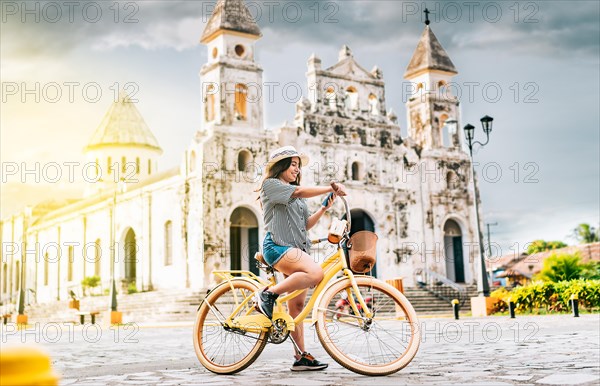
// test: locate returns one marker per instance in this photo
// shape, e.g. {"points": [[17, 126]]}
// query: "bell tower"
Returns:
{"points": [[431, 102], [231, 80]]}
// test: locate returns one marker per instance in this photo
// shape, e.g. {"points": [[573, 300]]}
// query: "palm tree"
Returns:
{"points": [[584, 233], [561, 267]]}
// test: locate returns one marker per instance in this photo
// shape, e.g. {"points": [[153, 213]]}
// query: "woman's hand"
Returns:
{"points": [[339, 189], [329, 202]]}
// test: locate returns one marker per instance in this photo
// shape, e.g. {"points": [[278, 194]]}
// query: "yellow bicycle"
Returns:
{"points": [[376, 333]]}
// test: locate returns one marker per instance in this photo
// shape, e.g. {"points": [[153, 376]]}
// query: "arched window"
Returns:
{"points": [[442, 88], [193, 161], [373, 105], [244, 160], [109, 164], [70, 259], [420, 86], [452, 181], [168, 243], [444, 130], [351, 98], [17, 274], [357, 171], [4, 277], [137, 165], [331, 98], [210, 103], [149, 166], [97, 257], [123, 165], [241, 95], [46, 268]]}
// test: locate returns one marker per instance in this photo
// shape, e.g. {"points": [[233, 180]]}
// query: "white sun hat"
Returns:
{"points": [[286, 152]]}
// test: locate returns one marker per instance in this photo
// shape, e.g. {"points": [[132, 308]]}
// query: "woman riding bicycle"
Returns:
{"points": [[286, 244]]}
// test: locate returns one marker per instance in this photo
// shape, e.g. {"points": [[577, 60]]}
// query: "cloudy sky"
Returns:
{"points": [[532, 65]]}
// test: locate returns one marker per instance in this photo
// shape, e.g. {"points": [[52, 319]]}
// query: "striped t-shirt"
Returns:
{"points": [[285, 217]]}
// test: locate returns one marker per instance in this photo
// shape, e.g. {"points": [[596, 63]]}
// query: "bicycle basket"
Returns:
{"points": [[362, 251]]}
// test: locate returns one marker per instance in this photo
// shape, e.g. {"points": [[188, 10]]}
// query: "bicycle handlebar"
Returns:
{"points": [[348, 216]]}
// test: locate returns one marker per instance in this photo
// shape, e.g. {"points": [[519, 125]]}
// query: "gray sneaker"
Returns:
{"points": [[265, 301], [308, 363]]}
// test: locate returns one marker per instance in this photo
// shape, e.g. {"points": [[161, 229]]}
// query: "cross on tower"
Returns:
{"points": [[426, 12]]}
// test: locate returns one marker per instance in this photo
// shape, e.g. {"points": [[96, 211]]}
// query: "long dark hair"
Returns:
{"points": [[279, 167]]}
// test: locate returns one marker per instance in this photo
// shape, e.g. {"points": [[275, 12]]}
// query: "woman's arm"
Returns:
{"points": [[313, 191], [312, 220]]}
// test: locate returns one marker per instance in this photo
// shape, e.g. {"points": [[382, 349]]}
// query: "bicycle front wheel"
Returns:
{"points": [[380, 345], [220, 349]]}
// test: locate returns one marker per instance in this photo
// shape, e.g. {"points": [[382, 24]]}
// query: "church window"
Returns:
{"points": [[210, 103], [168, 243], [215, 52], [330, 98], [193, 161], [351, 98], [71, 257], [452, 180], [241, 94], [373, 104], [357, 171], [244, 160], [240, 50], [123, 165], [46, 268], [149, 166], [97, 257], [137, 165], [4, 277], [109, 166]]}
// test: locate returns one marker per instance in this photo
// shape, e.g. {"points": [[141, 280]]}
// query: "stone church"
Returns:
{"points": [[171, 229]]}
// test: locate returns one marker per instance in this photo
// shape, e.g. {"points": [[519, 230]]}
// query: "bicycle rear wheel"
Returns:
{"points": [[225, 350], [381, 345]]}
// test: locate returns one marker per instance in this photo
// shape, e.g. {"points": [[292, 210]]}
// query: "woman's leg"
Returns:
{"points": [[295, 306], [301, 270]]}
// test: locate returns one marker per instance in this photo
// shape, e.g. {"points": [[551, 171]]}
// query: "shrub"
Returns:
{"points": [[90, 282], [131, 288], [553, 297]]}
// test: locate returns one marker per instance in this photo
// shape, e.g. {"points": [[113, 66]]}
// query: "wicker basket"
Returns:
{"points": [[362, 248]]}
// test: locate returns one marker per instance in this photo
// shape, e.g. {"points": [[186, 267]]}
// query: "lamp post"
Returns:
{"points": [[113, 315], [483, 286]]}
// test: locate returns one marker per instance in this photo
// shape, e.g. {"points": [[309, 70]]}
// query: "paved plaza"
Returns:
{"points": [[533, 350]]}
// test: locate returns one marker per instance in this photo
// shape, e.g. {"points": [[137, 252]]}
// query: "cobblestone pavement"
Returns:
{"points": [[556, 350]]}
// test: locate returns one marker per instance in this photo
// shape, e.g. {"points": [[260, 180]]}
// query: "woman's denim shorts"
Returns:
{"points": [[271, 251]]}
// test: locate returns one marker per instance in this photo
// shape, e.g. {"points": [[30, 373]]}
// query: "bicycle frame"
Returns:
{"points": [[333, 264]]}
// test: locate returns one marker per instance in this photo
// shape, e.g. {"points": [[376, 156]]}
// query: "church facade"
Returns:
{"points": [[171, 229]]}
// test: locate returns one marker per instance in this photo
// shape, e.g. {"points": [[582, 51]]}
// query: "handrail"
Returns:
{"points": [[440, 285]]}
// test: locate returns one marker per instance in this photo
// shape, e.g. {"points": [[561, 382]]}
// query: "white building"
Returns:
{"points": [[173, 228]]}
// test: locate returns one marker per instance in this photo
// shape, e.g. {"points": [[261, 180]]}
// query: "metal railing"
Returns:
{"points": [[439, 285]]}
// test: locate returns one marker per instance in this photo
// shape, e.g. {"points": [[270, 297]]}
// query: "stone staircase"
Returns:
{"points": [[145, 307], [426, 303]]}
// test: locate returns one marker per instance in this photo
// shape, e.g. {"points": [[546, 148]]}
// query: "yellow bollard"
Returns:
{"points": [[26, 366]]}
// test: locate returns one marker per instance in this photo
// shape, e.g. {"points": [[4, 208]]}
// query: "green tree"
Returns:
{"points": [[542, 245], [584, 234], [561, 267]]}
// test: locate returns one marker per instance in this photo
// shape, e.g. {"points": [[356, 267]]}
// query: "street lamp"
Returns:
{"points": [[119, 188], [483, 286]]}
